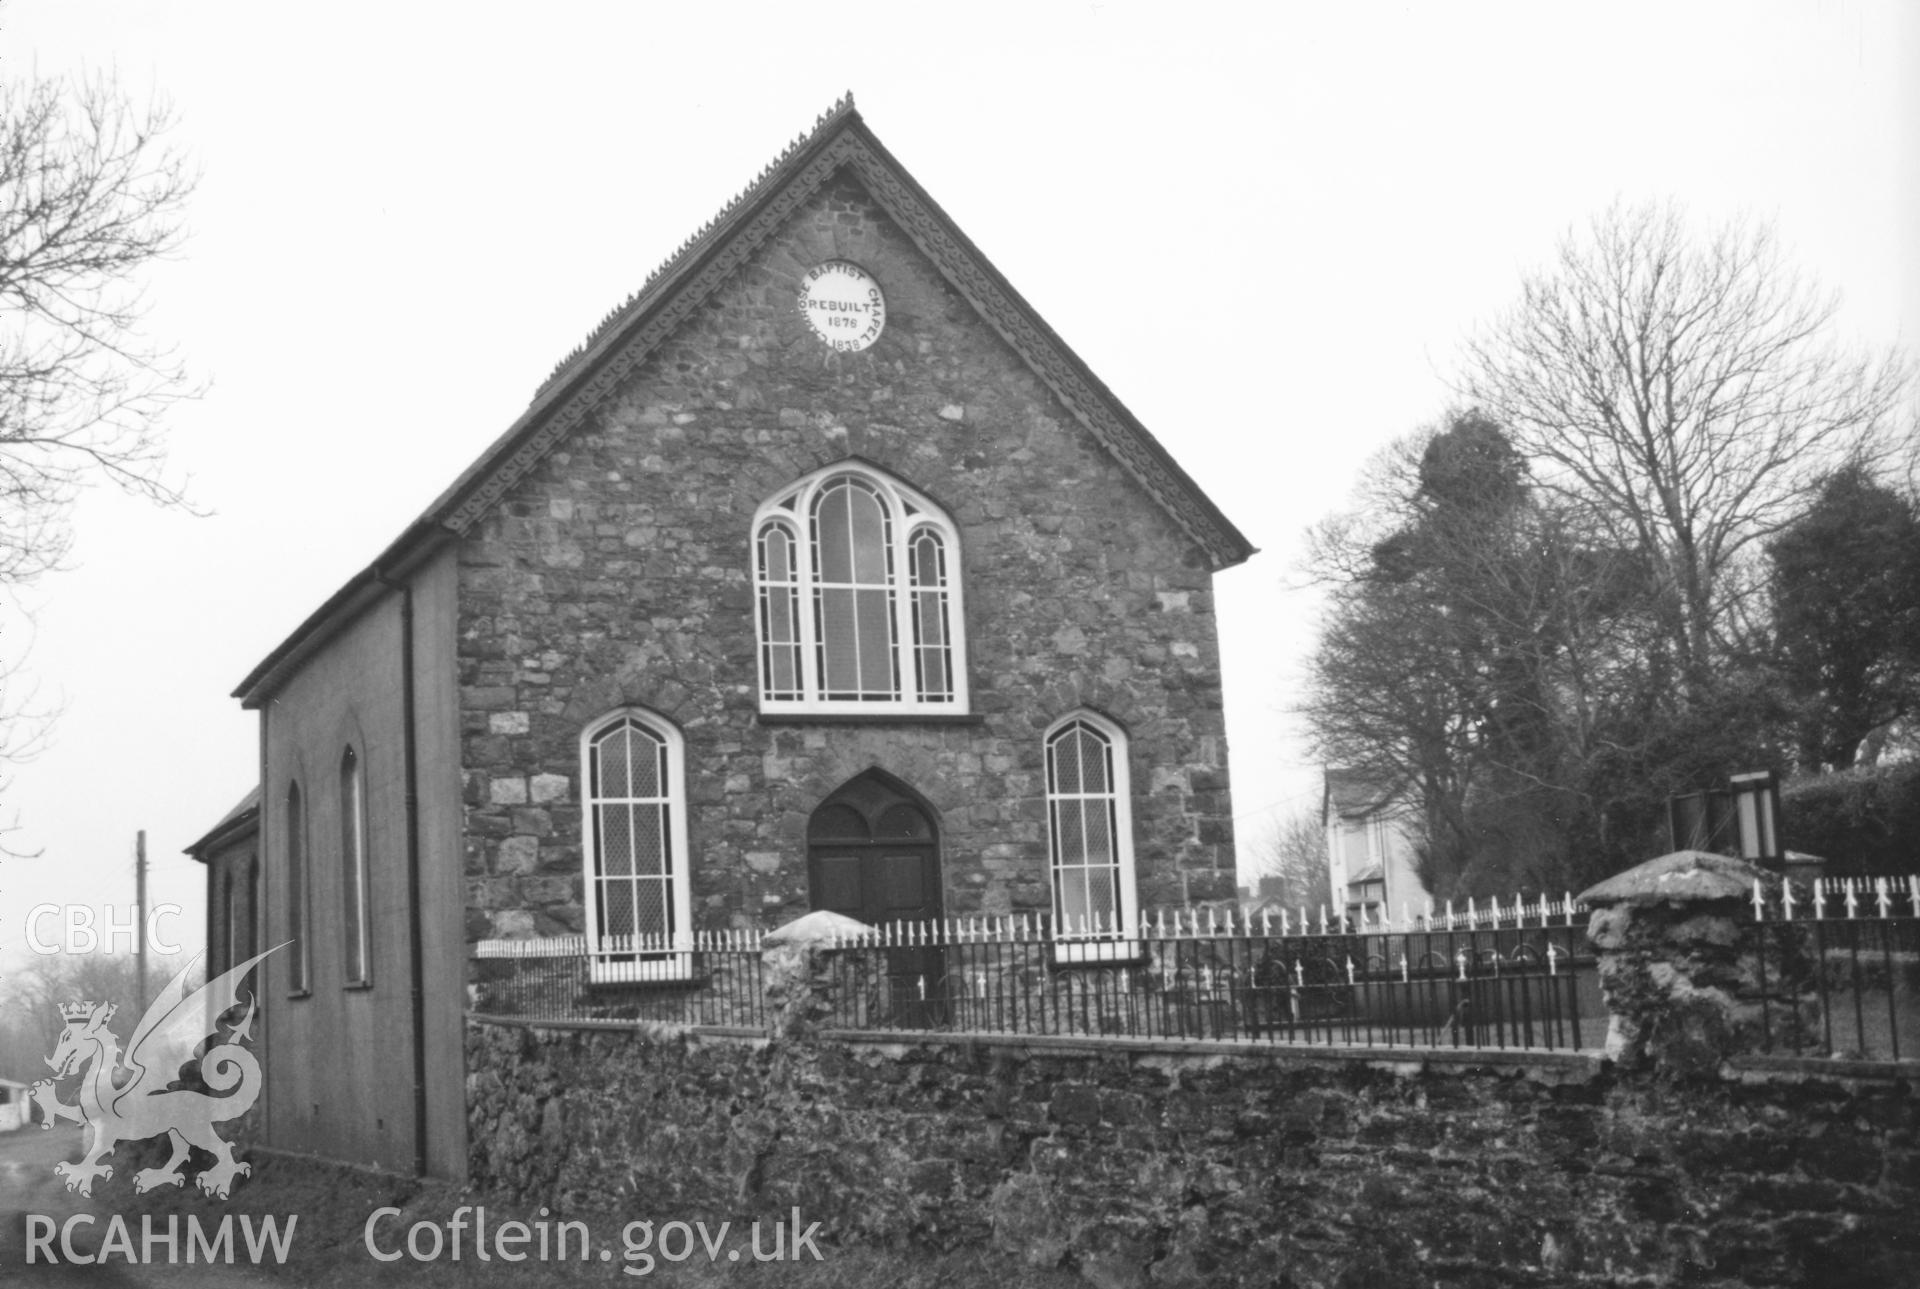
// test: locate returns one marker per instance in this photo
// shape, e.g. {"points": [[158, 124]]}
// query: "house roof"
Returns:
{"points": [[1358, 792], [839, 141], [236, 823]]}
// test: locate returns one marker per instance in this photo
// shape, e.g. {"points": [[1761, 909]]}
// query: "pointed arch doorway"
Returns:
{"points": [[873, 853]]}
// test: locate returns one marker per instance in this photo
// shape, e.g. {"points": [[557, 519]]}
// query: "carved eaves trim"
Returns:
{"points": [[982, 287], [632, 332]]}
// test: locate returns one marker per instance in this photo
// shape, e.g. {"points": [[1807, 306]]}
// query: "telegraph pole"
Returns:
{"points": [[140, 925]]}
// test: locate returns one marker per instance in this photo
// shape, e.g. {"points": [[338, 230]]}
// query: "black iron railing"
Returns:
{"points": [[1521, 980], [1835, 967], [712, 979]]}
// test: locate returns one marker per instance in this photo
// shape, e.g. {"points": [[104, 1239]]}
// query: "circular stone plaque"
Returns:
{"points": [[843, 305]]}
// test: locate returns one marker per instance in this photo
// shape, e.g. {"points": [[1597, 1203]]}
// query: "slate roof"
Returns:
{"points": [[840, 140], [1356, 792], [237, 822]]}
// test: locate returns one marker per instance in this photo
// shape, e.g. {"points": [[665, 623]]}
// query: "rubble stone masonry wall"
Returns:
{"points": [[1680, 1156], [1144, 1167]]}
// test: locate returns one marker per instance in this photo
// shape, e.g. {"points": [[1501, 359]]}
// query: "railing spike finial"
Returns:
{"points": [[1285, 928], [1853, 900], [1786, 898], [1266, 922], [1759, 902], [1349, 969], [1473, 915], [1568, 906], [1323, 919], [1212, 929]]}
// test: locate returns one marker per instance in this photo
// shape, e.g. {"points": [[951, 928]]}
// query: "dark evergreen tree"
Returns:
{"points": [[1845, 582]]}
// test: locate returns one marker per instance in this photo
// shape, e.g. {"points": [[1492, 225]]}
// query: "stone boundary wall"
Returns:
{"points": [[1168, 1164], [1678, 1156]]}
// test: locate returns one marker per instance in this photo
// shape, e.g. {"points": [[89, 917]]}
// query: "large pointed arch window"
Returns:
{"points": [[1090, 831], [638, 903], [858, 598]]}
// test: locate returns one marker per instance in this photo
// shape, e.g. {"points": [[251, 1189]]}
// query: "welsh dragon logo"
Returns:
{"points": [[132, 1097]]}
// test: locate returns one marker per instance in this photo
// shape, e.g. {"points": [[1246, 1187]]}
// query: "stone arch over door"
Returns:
{"points": [[873, 852]]}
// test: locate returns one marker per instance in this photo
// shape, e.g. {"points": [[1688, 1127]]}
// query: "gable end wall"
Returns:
{"points": [[617, 571]]}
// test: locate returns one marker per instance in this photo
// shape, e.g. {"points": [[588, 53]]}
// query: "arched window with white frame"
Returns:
{"points": [[858, 597], [637, 899], [1090, 831]]}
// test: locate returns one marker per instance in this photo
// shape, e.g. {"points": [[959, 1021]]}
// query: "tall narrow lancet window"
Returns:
{"points": [[853, 593], [354, 872], [1090, 827], [299, 915], [780, 645], [859, 608], [637, 896], [932, 662]]}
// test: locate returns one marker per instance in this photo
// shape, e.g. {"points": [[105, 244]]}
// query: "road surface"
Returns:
{"points": [[28, 1185]]}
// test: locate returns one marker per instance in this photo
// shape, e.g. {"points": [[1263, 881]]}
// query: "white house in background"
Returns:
{"points": [[1370, 845], [15, 1110]]}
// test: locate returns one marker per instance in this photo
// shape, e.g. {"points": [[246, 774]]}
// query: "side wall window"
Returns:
{"points": [[638, 899], [299, 915], [858, 597], [1090, 827], [354, 871]]}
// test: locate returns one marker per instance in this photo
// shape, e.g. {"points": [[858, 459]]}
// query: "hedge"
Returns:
{"points": [[1863, 820]]}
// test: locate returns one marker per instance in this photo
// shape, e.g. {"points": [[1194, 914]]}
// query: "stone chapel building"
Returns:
{"points": [[822, 575]]}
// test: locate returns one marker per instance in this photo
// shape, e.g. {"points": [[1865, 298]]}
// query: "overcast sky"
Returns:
{"points": [[1265, 227]]}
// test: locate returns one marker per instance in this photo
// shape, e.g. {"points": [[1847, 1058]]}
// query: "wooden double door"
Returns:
{"points": [[873, 853]]}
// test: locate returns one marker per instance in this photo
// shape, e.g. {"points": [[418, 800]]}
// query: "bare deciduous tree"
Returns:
{"points": [[1504, 663], [1686, 396], [1295, 853], [90, 195]]}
